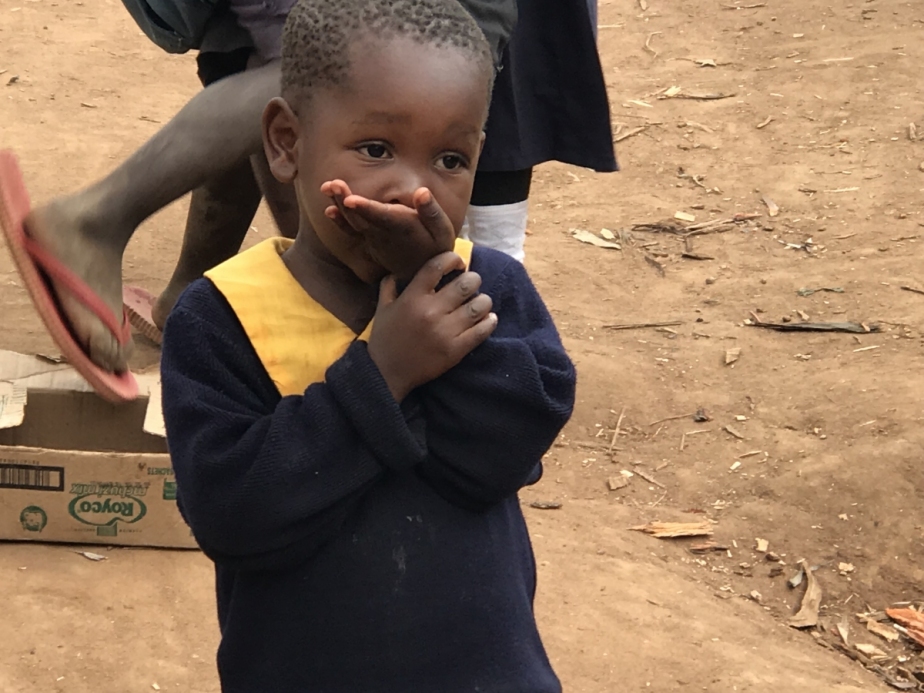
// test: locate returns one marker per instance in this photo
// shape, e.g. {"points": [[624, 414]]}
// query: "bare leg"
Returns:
{"points": [[88, 231], [220, 213], [215, 131]]}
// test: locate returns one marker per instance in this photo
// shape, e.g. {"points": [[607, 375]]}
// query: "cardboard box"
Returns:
{"points": [[76, 469]]}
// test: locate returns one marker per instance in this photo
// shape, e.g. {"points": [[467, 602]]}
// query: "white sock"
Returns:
{"points": [[502, 227]]}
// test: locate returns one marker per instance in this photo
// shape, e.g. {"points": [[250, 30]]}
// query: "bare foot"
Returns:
{"points": [[60, 228]]}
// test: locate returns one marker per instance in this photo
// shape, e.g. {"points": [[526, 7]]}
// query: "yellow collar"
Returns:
{"points": [[295, 337]]}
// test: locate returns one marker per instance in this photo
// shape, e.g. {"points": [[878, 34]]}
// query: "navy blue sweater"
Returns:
{"points": [[361, 546]]}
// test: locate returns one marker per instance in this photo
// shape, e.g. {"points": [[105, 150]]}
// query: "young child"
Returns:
{"points": [[69, 251], [349, 449]]}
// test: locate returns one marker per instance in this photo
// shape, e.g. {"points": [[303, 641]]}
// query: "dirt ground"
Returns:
{"points": [[822, 454]]}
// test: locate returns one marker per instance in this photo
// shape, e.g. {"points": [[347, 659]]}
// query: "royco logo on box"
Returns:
{"points": [[74, 468]]}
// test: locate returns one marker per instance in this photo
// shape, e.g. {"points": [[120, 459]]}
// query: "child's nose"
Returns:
{"points": [[403, 186]]}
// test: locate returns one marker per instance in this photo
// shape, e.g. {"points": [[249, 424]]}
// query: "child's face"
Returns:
{"points": [[409, 116]]}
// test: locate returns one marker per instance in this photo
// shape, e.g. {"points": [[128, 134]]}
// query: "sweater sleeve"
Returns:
{"points": [[490, 419], [263, 481]]}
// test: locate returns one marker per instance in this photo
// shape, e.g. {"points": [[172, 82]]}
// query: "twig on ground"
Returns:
{"points": [[673, 418], [641, 325], [618, 427], [633, 132]]}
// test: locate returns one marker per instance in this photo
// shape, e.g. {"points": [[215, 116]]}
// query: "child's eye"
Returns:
{"points": [[452, 162], [374, 150]]}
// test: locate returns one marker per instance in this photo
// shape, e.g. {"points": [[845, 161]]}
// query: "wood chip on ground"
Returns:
{"points": [[673, 530], [912, 620], [807, 615]]}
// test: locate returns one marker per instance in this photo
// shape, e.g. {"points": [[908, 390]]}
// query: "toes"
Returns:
{"points": [[105, 351], [97, 341]]}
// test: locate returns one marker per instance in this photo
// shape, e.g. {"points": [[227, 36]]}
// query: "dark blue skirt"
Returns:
{"points": [[550, 101]]}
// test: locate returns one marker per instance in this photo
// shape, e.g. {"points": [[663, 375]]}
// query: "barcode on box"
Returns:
{"points": [[31, 478]]}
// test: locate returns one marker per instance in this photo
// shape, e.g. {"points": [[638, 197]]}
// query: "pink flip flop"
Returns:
{"points": [[138, 305], [35, 264]]}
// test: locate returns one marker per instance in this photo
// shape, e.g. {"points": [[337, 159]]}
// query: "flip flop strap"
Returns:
{"points": [[62, 274]]}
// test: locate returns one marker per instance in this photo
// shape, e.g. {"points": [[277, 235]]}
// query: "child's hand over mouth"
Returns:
{"points": [[400, 238]]}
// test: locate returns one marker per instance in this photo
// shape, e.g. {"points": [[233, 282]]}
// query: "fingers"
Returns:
{"points": [[431, 214], [381, 214], [425, 221], [336, 187], [380, 222], [473, 322], [334, 214], [388, 291], [477, 333], [338, 201], [427, 207], [343, 197], [334, 190], [459, 290], [429, 276], [339, 191], [474, 311]]}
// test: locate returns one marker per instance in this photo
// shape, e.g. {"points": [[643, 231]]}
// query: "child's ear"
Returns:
{"points": [[280, 139]]}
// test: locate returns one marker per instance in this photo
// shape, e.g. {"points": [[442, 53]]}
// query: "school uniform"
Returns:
{"points": [[359, 544], [550, 101]]}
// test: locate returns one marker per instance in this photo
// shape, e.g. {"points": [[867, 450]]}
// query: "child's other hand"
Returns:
{"points": [[400, 238], [422, 333]]}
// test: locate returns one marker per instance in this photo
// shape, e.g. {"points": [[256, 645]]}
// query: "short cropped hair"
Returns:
{"points": [[318, 34]]}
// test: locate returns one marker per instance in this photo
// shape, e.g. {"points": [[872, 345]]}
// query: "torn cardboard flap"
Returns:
{"points": [[14, 365], [26, 372], [154, 415], [12, 404]]}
